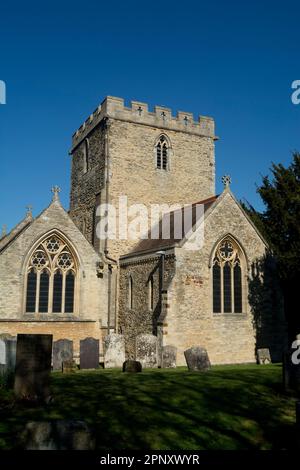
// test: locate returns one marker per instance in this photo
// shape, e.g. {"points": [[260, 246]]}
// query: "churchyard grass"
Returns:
{"points": [[228, 407]]}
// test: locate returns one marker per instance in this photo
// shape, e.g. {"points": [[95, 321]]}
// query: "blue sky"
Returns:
{"points": [[231, 60]]}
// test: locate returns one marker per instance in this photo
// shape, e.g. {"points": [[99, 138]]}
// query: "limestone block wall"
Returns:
{"points": [[91, 294], [229, 338], [73, 330], [124, 138], [86, 186]]}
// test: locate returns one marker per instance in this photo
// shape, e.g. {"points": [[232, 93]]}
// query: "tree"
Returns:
{"points": [[280, 225]]}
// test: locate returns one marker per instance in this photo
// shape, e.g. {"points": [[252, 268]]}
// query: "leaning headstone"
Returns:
{"points": [[114, 351], [62, 351], [146, 350], [169, 355], [68, 367], [89, 353], [132, 366], [197, 359], [57, 435], [33, 367], [263, 356]]}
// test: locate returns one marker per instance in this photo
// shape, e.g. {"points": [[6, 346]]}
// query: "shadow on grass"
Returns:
{"points": [[226, 408]]}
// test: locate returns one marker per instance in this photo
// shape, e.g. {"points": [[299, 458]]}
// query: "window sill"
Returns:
{"points": [[230, 315]]}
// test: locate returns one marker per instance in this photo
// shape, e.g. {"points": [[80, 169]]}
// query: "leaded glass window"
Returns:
{"points": [[51, 278], [162, 154], [227, 278]]}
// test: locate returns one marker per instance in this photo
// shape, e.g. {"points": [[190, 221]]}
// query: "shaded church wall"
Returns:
{"points": [[266, 301], [140, 319]]}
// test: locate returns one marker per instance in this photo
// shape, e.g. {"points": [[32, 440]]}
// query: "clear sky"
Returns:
{"points": [[233, 60]]}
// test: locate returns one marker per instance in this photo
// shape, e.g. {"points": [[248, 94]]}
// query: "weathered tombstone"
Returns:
{"points": [[57, 435], [146, 350], [169, 355], [89, 353], [33, 367], [2, 356], [11, 353], [197, 359], [263, 356], [132, 366], [68, 367], [8, 349], [291, 371], [62, 351], [114, 351], [2, 352]]}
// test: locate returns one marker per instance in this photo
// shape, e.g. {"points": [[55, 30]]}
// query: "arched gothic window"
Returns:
{"points": [[227, 278], [51, 278], [162, 154]]}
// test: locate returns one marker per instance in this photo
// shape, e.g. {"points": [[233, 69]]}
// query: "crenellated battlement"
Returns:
{"points": [[138, 113]]}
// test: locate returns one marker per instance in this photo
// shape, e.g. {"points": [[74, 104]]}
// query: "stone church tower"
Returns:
{"points": [[114, 153], [58, 276]]}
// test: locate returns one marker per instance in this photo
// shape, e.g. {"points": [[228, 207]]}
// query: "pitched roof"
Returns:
{"points": [[15, 232], [172, 219]]}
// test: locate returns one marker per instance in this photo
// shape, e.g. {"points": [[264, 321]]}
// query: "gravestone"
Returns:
{"points": [[197, 359], [263, 356], [146, 350], [169, 355], [8, 349], [2, 356], [11, 353], [291, 370], [132, 366], [57, 435], [33, 367], [2, 352], [62, 351], [89, 353], [114, 351], [68, 367]]}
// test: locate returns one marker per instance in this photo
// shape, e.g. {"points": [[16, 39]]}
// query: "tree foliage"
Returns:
{"points": [[280, 225]]}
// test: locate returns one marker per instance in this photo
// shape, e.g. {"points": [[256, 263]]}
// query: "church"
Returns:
{"points": [[84, 272]]}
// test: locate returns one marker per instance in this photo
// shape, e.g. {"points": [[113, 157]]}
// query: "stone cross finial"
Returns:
{"points": [[226, 180], [29, 210], [163, 114], [186, 120], [140, 110], [55, 190]]}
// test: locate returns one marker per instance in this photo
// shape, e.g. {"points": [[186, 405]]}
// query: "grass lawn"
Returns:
{"points": [[230, 407]]}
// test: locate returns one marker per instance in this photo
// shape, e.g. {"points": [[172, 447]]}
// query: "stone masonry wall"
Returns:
{"points": [[229, 338], [140, 319], [91, 294], [132, 135]]}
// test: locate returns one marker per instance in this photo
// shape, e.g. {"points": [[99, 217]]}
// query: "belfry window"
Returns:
{"points": [[51, 278], [227, 278], [162, 154]]}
